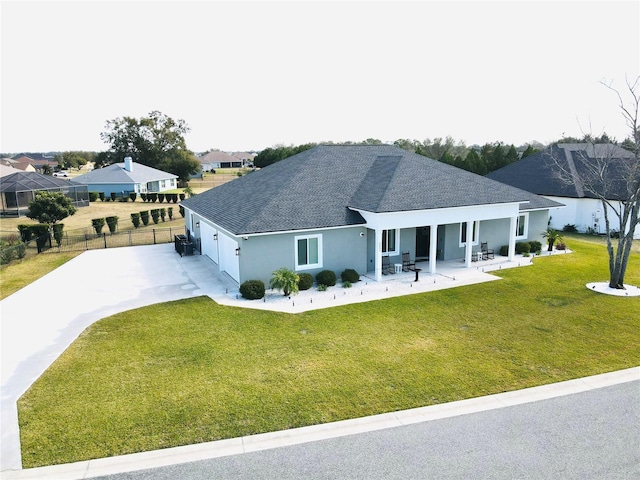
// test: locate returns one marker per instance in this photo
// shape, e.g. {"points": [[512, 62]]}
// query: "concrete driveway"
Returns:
{"points": [[41, 320]]}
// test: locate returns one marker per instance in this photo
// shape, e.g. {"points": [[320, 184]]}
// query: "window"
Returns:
{"points": [[308, 252], [463, 233], [522, 226], [389, 242]]}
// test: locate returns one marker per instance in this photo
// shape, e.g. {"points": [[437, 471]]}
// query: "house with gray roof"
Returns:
{"points": [[539, 174], [334, 207], [127, 177]]}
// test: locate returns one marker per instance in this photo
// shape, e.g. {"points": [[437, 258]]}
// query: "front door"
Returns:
{"points": [[423, 236]]}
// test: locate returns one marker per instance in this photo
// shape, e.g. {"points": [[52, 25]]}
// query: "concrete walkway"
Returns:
{"points": [[41, 320]]}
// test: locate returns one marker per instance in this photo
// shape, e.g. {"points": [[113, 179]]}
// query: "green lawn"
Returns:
{"points": [[193, 371]]}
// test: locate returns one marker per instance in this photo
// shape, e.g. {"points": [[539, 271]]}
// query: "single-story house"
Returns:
{"points": [[127, 177], [538, 174], [18, 189], [346, 206], [34, 161], [218, 159]]}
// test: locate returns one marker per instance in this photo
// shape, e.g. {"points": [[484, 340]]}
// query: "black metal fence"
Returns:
{"points": [[129, 238]]}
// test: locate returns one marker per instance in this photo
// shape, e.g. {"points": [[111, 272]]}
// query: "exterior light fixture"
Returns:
{"points": [[237, 251], [215, 236], [197, 224]]}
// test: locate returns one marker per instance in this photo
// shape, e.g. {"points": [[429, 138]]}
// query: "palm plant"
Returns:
{"points": [[285, 280], [552, 237]]}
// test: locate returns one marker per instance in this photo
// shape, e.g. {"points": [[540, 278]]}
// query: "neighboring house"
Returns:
{"points": [[127, 177], [346, 206], [538, 174], [219, 159], [25, 166], [245, 157], [18, 189], [34, 161]]}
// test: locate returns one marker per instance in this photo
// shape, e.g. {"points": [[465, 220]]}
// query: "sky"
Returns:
{"points": [[251, 75]]}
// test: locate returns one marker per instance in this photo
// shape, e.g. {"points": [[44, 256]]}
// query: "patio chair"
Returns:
{"points": [[407, 264], [386, 266], [487, 253]]}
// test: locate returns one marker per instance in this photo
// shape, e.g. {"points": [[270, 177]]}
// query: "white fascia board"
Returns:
{"points": [[440, 216]]}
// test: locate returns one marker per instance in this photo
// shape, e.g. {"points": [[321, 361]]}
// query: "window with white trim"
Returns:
{"points": [[522, 226], [308, 252], [474, 235], [389, 244]]}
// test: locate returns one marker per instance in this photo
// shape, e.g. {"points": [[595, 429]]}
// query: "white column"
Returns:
{"points": [[433, 247], [378, 254], [469, 248], [512, 237]]}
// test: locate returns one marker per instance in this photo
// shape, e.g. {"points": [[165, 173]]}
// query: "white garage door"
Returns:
{"points": [[229, 261], [208, 244]]}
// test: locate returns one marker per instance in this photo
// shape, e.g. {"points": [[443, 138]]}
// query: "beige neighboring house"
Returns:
{"points": [[22, 165], [219, 159], [246, 157]]}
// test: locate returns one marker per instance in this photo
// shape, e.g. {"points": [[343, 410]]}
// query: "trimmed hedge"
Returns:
{"points": [[350, 275], [504, 250], [523, 247], [536, 246], [305, 281], [112, 223], [326, 277], [252, 289]]}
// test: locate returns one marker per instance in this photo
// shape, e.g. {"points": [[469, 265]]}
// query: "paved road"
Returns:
{"points": [[589, 435]]}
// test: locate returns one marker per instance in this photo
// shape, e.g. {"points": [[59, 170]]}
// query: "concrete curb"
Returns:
{"points": [[253, 443]]}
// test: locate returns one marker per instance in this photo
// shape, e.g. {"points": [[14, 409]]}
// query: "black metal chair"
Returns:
{"points": [[407, 264], [487, 253], [386, 266]]}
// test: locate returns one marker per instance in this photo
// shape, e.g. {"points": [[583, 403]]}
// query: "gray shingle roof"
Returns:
{"points": [[315, 188], [27, 181], [538, 173], [116, 173]]}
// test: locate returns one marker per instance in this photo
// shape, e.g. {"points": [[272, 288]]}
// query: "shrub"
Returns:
{"points": [[252, 289], [536, 246], [322, 288], [144, 215], [26, 232], [350, 275], [170, 212], [504, 250], [57, 232], [155, 215], [133, 196], [569, 228], [93, 196], [182, 196], [181, 209], [523, 247], [346, 284], [113, 196], [41, 232], [101, 195], [285, 280], [561, 246], [135, 219], [143, 196], [152, 197], [112, 223], [98, 224], [163, 213], [161, 197], [326, 277], [305, 281]]}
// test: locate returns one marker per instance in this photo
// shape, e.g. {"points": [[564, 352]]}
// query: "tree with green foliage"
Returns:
{"points": [[50, 207], [285, 280], [156, 141], [269, 156], [74, 159]]}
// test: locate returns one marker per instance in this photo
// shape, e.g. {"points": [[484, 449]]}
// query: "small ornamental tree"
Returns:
{"points": [[285, 280], [144, 215], [98, 225], [50, 207], [135, 219], [112, 223]]}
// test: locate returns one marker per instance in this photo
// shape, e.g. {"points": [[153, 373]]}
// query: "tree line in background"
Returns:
{"points": [[477, 159]]}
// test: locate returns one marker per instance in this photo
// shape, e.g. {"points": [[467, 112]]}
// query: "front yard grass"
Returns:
{"points": [[193, 371]]}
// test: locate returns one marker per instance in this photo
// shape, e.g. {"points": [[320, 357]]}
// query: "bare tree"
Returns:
{"points": [[611, 174]]}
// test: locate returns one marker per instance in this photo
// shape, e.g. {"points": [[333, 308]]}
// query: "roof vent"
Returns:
{"points": [[128, 164]]}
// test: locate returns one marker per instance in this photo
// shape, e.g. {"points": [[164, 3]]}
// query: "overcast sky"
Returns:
{"points": [[250, 75]]}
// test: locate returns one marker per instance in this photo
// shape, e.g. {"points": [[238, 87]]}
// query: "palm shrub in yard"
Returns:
{"points": [[285, 280]]}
